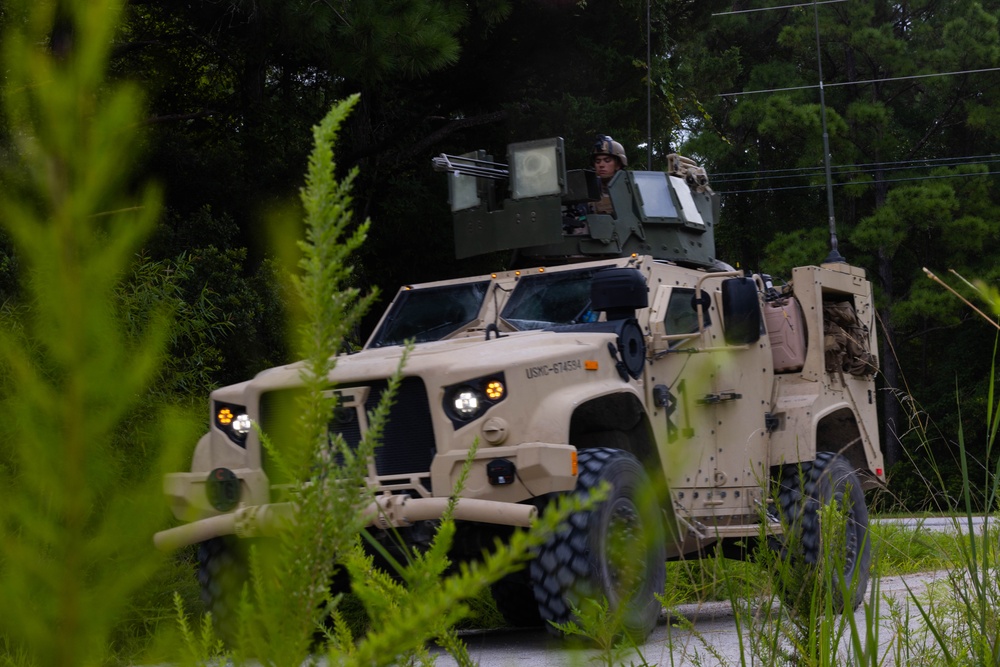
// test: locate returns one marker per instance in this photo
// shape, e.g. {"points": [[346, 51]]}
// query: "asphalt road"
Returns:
{"points": [[704, 634], [711, 639]]}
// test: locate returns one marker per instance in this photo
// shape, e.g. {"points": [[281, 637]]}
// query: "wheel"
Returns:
{"points": [[804, 489], [515, 600], [222, 573], [615, 551]]}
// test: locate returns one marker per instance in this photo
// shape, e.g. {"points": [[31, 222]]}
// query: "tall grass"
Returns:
{"points": [[965, 625]]}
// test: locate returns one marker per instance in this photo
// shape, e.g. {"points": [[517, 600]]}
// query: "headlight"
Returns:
{"points": [[466, 401], [242, 424], [234, 421]]}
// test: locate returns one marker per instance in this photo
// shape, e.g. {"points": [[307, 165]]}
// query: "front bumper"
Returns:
{"points": [[541, 468], [384, 512]]}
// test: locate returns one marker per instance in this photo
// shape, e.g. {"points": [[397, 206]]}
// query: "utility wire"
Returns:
{"points": [[887, 180], [848, 169], [842, 170], [767, 9], [716, 175], [859, 83]]}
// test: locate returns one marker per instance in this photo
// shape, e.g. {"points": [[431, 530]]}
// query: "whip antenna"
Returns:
{"points": [[834, 256]]}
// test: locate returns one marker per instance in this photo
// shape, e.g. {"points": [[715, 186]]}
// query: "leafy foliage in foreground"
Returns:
{"points": [[75, 523]]}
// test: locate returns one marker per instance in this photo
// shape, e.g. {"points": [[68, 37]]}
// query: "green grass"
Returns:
{"points": [[907, 550], [900, 551], [150, 612]]}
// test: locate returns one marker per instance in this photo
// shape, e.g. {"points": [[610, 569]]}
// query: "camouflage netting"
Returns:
{"points": [[845, 341]]}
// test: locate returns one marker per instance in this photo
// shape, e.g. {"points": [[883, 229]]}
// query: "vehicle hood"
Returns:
{"points": [[455, 358]]}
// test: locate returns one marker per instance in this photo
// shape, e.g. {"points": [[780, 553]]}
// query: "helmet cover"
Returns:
{"points": [[605, 145]]}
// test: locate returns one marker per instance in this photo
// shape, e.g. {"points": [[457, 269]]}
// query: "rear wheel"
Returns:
{"points": [[805, 489], [615, 551]]}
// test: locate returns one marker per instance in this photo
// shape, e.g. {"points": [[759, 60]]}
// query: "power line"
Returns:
{"points": [[887, 180], [716, 175], [847, 169], [858, 83], [768, 9]]}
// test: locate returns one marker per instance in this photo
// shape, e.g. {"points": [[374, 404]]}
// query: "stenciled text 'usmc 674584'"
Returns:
{"points": [[553, 369]]}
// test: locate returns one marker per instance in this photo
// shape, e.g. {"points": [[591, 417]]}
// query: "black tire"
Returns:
{"points": [[222, 573], [585, 558], [515, 600], [804, 489]]}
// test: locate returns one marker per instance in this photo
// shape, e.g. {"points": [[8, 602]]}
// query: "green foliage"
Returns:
{"points": [[196, 644], [213, 272], [193, 354], [964, 625], [796, 248], [599, 626], [289, 592], [905, 550], [908, 209], [75, 526]]}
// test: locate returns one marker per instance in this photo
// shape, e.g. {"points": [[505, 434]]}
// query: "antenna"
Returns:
{"points": [[834, 256], [649, 95]]}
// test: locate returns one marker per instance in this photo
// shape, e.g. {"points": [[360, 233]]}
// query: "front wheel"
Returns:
{"points": [[616, 550], [805, 489], [222, 572], [515, 600]]}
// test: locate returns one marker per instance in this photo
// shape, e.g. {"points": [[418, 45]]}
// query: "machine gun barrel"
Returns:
{"points": [[467, 166]]}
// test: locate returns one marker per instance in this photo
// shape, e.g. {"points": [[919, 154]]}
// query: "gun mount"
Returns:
{"points": [[533, 204]]}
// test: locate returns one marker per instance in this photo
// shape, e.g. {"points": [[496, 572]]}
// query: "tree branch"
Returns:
{"points": [[421, 146], [169, 118], [452, 127]]}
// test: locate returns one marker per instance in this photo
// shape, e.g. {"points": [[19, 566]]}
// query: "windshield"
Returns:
{"points": [[430, 313], [542, 300]]}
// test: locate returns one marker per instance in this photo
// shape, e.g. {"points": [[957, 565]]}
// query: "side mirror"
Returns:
{"points": [[619, 292], [740, 311]]}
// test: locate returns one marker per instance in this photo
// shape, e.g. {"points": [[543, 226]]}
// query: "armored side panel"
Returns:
{"points": [[517, 224], [656, 214]]}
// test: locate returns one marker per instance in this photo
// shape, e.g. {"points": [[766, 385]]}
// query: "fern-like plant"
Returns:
{"points": [[75, 527]]}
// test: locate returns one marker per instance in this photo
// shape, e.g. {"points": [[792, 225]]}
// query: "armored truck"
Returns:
{"points": [[616, 348]]}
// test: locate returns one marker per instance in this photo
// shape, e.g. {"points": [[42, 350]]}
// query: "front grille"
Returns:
{"points": [[407, 445]]}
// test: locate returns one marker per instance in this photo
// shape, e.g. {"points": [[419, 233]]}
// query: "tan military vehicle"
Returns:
{"points": [[623, 351]]}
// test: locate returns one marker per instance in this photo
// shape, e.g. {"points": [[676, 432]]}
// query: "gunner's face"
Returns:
{"points": [[605, 166]]}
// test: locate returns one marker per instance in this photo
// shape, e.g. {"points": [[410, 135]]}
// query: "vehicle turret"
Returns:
{"points": [[533, 204]]}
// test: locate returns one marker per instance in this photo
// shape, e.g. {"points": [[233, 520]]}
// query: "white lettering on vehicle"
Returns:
{"points": [[555, 368]]}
